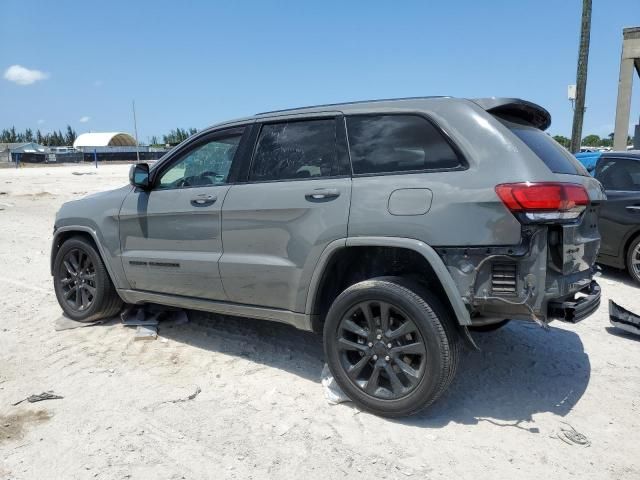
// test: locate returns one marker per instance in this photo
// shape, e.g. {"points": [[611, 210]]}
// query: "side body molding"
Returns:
{"points": [[440, 269]]}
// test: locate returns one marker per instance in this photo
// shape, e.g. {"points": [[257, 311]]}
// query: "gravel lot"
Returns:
{"points": [[261, 411]]}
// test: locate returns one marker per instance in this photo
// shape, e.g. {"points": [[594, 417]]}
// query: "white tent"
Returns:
{"points": [[104, 139]]}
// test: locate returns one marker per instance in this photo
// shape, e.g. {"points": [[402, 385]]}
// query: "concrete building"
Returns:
{"points": [[630, 60]]}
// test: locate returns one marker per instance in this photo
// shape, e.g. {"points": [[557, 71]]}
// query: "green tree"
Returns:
{"points": [[178, 135], [564, 141], [28, 135], [591, 141], [70, 136]]}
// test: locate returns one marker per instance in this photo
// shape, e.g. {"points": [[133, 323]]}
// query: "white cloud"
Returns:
{"points": [[84, 119], [97, 83], [24, 76]]}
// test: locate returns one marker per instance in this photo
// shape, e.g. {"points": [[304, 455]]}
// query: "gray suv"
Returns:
{"points": [[392, 227]]}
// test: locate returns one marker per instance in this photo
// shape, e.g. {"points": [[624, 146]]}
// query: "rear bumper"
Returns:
{"points": [[576, 309]]}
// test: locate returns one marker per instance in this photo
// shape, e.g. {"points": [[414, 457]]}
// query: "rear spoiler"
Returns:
{"points": [[516, 108]]}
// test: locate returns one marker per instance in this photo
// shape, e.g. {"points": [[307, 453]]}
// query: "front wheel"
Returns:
{"points": [[81, 282], [390, 346], [633, 260]]}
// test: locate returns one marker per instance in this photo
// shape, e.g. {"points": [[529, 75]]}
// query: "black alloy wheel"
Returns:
{"points": [[83, 287], [78, 280], [381, 349], [391, 345]]}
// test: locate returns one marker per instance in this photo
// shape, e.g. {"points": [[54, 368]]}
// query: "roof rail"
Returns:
{"points": [[349, 103]]}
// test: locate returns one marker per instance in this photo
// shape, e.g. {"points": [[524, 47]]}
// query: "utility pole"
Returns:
{"points": [[135, 129], [581, 77]]}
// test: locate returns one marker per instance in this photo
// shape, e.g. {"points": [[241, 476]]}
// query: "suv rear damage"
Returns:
{"points": [[549, 274], [391, 227]]}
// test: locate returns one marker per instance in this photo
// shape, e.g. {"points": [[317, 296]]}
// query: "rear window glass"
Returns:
{"points": [[554, 155], [397, 143]]}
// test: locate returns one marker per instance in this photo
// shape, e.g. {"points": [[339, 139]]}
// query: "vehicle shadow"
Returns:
{"points": [[521, 369], [615, 274], [269, 343], [622, 334]]}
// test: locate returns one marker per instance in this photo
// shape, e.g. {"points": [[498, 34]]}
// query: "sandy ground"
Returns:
{"points": [[261, 411]]}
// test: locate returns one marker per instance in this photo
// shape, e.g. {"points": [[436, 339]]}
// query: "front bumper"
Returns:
{"points": [[583, 304]]}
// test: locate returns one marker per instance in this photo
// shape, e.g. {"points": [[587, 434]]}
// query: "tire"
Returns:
{"points": [[81, 282], [633, 259], [424, 351], [492, 327]]}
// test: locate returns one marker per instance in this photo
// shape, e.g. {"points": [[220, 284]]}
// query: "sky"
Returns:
{"points": [[193, 64]]}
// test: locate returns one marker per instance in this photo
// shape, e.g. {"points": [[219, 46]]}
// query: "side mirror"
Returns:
{"points": [[139, 175]]}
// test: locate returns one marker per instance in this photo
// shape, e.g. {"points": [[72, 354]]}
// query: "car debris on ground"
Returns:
{"points": [[623, 319], [146, 333], [65, 323], [571, 436], [147, 318], [189, 397], [39, 398], [332, 391], [151, 315]]}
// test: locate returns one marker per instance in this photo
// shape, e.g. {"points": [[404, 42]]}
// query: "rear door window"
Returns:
{"points": [[554, 155], [397, 143], [619, 174], [295, 150]]}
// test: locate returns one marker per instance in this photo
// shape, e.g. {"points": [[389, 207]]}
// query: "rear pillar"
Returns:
{"points": [[630, 59]]}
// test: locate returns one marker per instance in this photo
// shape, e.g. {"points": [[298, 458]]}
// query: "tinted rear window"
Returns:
{"points": [[295, 150], [397, 143], [554, 155]]}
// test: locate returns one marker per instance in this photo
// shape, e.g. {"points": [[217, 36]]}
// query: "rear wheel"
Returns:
{"points": [[82, 285], [633, 259], [390, 346]]}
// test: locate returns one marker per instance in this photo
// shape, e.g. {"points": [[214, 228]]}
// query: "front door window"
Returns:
{"points": [[206, 165]]}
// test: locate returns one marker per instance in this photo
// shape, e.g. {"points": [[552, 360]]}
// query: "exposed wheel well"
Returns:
{"points": [[64, 236], [354, 264]]}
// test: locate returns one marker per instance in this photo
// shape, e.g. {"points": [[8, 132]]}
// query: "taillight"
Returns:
{"points": [[543, 202]]}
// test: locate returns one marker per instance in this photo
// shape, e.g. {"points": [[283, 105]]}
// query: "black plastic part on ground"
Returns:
{"points": [[623, 319]]}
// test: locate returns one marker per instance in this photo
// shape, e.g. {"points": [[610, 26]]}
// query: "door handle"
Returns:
{"points": [[322, 194], [203, 200], [634, 208]]}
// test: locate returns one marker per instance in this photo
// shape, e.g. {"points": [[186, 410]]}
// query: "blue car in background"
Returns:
{"points": [[619, 219], [589, 159]]}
